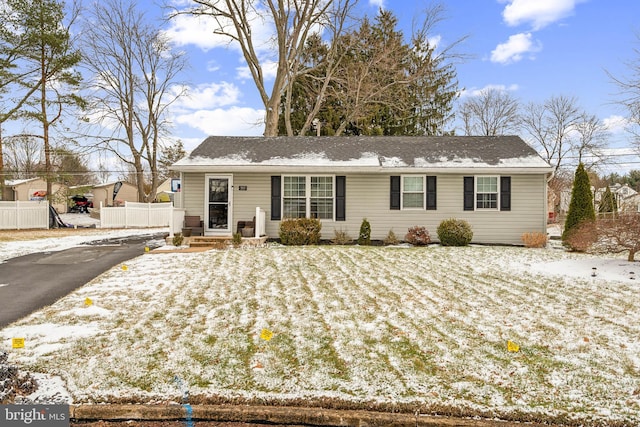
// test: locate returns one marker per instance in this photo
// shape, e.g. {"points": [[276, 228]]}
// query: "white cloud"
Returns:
{"points": [[469, 93], [235, 121], [616, 124], [378, 4], [514, 48], [199, 31], [213, 66], [209, 95], [195, 30], [539, 13], [269, 70]]}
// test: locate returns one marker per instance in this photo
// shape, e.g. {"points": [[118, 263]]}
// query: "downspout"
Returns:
{"points": [[550, 176]]}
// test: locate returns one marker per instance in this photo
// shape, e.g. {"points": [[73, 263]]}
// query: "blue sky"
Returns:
{"points": [[532, 48]]}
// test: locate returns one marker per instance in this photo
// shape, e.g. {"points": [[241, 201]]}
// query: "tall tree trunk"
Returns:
{"points": [[271, 118], [45, 125]]}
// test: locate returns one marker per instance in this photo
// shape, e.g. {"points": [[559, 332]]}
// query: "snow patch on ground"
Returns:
{"points": [[352, 323]]}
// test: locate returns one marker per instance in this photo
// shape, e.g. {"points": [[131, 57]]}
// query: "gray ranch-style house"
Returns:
{"points": [[498, 184]]}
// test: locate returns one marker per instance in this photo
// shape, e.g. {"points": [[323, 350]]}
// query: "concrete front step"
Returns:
{"points": [[222, 242]]}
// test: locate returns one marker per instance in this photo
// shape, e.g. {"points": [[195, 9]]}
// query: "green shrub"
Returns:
{"points": [[341, 237], [418, 236], [237, 239], [581, 205], [391, 239], [365, 233], [177, 239], [454, 232], [300, 231]]}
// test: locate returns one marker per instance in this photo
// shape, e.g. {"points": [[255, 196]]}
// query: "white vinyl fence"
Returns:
{"points": [[136, 215], [21, 215]]}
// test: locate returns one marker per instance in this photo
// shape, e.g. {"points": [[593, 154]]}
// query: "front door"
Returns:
{"points": [[218, 204]]}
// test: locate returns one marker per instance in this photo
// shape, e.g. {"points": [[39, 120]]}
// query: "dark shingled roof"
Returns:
{"points": [[438, 150]]}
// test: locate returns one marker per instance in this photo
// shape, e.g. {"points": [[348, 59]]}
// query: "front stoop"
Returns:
{"points": [[223, 242]]}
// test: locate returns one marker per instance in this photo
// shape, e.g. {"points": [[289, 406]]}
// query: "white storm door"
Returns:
{"points": [[218, 204]]}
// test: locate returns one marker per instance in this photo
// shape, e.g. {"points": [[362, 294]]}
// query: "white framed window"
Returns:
{"points": [[308, 196], [412, 192], [487, 192]]}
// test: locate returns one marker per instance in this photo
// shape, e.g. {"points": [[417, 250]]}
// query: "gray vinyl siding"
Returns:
{"points": [[367, 196]]}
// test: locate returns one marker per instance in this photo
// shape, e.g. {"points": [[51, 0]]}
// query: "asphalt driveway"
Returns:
{"points": [[30, 282]]}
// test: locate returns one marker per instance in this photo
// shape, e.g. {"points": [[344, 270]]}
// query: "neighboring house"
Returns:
{"points": [[167, 189], [625, 196], [103, 193], [35, 189], [497, 184]]}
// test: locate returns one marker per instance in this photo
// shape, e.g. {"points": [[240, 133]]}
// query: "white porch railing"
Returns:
{"points": [[21, 215], [261, 222], [177, 222], [140, 215]]}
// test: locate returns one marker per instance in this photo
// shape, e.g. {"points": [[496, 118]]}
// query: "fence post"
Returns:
{"points": [[126, 215], [17, 214], [171, 220], [101, 215]]}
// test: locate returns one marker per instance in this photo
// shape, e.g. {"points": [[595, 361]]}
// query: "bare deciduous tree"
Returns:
{"points": [[629, 95], [321, 69], [135, 70], [592, 139], [619, 234], [293, 22], [549, 126], [492, 112]]}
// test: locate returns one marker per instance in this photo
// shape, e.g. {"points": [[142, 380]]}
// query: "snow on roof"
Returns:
{"points": [[366, 152], [19, 181]]}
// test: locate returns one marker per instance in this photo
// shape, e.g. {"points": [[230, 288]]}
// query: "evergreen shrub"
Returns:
{"points": [[454, 232], [364, 238], [581, 205], [300, 231]]}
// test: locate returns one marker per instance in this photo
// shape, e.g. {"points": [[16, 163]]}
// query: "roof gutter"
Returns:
{"points": [[306, 169]]}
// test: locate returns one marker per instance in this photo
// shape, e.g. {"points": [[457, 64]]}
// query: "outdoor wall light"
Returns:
{"points": [[632, 275], [594, 272]]}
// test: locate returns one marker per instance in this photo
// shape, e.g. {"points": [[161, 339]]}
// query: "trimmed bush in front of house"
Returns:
{"points": [[454, 232], [300, 231], [364, 238], [418, 236]]}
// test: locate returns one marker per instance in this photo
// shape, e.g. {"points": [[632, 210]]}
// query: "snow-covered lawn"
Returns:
{"points": [[386, 327]]}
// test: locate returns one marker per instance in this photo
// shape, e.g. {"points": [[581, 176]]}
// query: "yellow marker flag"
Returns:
{"points": [[512, 347], [17, 343], [146, 249], [125, 268], [88, 302], [266, 334]]}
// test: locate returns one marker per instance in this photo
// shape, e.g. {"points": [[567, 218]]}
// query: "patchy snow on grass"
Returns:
{"points": [[18, 248], [419, 326]]}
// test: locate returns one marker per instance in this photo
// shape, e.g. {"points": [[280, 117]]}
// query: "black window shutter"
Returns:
{"points": [[505, 193], [469, 182], [394, 203], [275, 198], [431, 193], [341, 190]]}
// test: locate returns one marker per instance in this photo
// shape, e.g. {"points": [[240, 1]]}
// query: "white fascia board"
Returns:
{"points": [[287, 169]]}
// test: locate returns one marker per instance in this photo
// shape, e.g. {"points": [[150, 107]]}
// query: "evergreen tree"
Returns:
{"points": [[384, 85], [581, 205], [608, 202], [49, 54]]}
